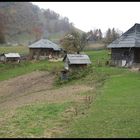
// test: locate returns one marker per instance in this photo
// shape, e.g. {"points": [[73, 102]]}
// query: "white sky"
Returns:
{"points": [[90, 15]]}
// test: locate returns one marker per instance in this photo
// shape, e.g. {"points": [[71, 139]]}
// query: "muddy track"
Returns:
{"points": [[36, 87]]}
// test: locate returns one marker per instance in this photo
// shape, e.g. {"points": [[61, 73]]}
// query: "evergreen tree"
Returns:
{"points": [[100, 34], [111, 35]]}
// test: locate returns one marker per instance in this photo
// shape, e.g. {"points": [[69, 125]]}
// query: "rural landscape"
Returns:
{"points": [[57, 81]]}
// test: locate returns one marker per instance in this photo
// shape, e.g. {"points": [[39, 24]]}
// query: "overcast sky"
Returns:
{"points": [[91, 15]]}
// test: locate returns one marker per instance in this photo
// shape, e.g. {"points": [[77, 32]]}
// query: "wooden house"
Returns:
{"points": [[43, 49], [74, 61], [10, 57], [125, 51]]}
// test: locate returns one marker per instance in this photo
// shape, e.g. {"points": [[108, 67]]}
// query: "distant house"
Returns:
{"points": [[44, 49], [125, 51], [10, 57], [72, 61]]}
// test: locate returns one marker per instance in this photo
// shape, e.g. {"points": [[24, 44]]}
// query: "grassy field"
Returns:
{"points": [[25, 49], [94, 46], [15, 49], [113, 113], [33, 120], [12, 70]]}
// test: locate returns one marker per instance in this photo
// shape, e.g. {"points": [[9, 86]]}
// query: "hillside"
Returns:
{"points": [[22, 22], [97, 102]]}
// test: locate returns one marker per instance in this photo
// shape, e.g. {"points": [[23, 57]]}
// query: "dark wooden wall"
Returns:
{"points": [[43, 52], [75, 66], [122, 54], [131, 55], [137, 55]]}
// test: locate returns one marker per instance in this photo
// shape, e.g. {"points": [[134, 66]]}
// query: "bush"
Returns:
{"points": [[74, 74]]}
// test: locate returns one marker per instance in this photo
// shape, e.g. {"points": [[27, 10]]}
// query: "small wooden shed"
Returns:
{"points": [[73, 61], [43, 49], [10, 57], [125, 51]]}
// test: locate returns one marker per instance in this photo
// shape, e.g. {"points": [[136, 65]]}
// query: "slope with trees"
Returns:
{"points": [[25, 19]]}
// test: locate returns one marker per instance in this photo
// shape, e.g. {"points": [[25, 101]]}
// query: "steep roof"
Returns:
{"points": [[77, 59], [131, 38], [12, 55], [45, 43]]}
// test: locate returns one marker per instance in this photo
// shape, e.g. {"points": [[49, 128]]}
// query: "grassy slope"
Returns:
{"points": [[32, 121], [12, 70], [17, 49], [114, 113]]}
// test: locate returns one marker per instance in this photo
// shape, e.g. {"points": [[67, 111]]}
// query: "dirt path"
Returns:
{"points": [[36, 87]]}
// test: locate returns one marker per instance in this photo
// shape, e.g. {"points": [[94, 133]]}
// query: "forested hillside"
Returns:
{"points": [[22, 22]]}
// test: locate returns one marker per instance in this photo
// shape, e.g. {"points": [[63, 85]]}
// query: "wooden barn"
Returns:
{"points": [[73, 61], [10, 57], [43, 49], [125, 51]]}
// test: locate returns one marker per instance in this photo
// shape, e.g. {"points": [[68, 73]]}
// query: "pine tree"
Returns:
{"points": [[100, 34]]}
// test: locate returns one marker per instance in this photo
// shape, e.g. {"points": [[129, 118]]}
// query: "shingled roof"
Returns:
{"points": [[45, 43], [77, 59], [131, 38]]}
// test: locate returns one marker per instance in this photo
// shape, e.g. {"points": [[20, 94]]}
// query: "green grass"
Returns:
{"points": [[114, 112], [16, 49], [13, 70], [32, 120], [101, 55]]}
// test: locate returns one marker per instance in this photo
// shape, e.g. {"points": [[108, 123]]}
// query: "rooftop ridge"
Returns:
{"points": [[131, 38]]}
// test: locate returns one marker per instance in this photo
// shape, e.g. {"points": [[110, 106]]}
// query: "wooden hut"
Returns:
{"points": [[10, 57], [73, 61], [125, 51], [44, 49]]}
